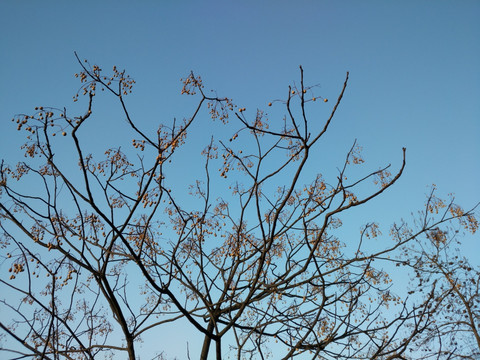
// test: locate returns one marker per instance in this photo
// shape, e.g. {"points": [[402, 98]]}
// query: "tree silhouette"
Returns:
{"points": [[253, 263], [454, 330]]}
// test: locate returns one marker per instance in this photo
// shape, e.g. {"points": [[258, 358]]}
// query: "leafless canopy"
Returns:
{"points": [[101, 254]]}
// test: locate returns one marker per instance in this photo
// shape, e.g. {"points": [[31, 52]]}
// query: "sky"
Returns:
{"points": [[414, 74]]}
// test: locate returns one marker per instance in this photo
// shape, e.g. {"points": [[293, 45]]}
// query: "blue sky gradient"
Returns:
{"points": [[414, 77]]}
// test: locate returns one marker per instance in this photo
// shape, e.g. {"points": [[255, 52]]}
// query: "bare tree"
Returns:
{"points": [[453, 330], [251, 260]]}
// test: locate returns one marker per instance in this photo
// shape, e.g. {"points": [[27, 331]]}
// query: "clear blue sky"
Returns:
{"points": [[414, 72]]}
